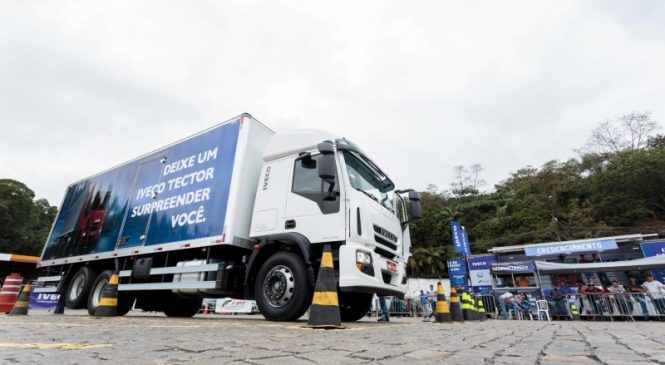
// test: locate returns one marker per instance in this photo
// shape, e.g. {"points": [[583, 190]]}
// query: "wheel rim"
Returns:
{"points": [[279, 286], [97, 292], [77, 287]]}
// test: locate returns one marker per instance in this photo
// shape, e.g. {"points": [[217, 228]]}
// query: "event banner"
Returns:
{"points": [[570, 247], [479, 271], [43, 300], [655, 249], [460, 240], [177, 193], [230, 305], [457, 272], [514, 267]]}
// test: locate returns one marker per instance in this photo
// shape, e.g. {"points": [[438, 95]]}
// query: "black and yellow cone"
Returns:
{"points": [[108, 303], [324, 312], [442, 311], [455, 306], [22, 303], [481, 308], [574, 312]]}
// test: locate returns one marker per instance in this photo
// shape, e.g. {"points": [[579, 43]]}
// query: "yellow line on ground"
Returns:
{"points": [[53, 345]]}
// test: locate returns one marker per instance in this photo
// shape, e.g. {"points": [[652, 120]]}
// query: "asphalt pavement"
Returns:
{"points": [[145, 338]]}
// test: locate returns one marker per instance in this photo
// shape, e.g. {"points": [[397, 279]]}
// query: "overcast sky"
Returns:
{"points": [[422, 86]]}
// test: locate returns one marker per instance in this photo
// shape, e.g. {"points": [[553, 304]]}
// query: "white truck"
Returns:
{"points": [[233, 211]]}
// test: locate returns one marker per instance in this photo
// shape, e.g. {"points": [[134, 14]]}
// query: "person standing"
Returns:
{"points": [[616, 292], [424, 304], [431, 295], [637, 292], [559, 300], [654, 290], [385, 313]]}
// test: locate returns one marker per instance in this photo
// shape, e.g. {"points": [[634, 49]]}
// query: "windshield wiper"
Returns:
{"points": [[368, 194]]}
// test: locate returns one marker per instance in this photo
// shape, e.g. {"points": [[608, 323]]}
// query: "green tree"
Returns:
{"points": [[24, 222]]}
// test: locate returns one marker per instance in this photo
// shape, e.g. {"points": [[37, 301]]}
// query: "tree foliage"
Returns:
{"points": [[616, 186], [24, 221]]}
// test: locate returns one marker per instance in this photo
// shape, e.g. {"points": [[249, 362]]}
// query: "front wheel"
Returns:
{"points": [[354, 306], [281, 290]]}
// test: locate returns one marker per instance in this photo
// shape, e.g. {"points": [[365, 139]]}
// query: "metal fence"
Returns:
{"points": [[609, 306]]}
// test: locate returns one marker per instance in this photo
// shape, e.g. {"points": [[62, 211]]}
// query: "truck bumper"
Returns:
{"points": [[384, 281]]}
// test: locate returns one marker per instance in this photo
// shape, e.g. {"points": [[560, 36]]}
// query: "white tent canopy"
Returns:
{"points": [[653, 262]]}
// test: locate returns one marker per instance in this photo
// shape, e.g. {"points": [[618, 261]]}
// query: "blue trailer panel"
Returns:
{"points": [[177, 193]]}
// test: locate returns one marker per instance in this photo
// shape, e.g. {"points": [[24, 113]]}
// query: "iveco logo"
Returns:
{"points": [[266, 178]]}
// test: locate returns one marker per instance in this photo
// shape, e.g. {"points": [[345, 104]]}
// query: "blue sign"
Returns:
{"points": [[457, 267], [460, 239], [177, 193], [481, 262], [479, 271], [655, 249], [514, 267], [457, 272], [43, 300], [570, 247]]}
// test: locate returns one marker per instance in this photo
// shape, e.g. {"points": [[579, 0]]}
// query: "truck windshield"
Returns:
{"points": [[364, 176]]}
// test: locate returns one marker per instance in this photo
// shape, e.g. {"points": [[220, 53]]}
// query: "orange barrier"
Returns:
{"points": [[9, 292]]}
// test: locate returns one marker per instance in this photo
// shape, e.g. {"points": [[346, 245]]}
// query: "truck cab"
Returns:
{"points": [[316, 188]]}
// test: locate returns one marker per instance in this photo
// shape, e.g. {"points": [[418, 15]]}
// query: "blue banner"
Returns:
{"points": [[514, 267], [43, 300], [460, 239], [570, 247], [457, 272], [655, 249], [174, 194], [466, 243]]}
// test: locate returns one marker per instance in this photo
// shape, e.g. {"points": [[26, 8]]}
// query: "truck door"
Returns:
{"points": [[145, 190], [320, 217]]}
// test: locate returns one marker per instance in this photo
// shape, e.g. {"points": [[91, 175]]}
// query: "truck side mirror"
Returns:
{"points": [[327, 165], [416, 209], [416, 206]]}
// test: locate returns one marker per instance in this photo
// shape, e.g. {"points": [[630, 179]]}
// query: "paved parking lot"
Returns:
{"points": [[153, 339]]}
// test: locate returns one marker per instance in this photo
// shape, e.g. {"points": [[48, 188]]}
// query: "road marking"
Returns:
{"points": [[53, 345]]}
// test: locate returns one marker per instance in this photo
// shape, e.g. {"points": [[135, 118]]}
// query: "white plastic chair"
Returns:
{"points": [[542, 307]]}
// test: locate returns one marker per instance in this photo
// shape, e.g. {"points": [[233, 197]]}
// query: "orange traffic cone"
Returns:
{"points": [[9, 292]]}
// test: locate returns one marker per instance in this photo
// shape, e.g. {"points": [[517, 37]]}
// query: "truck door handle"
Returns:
{"points": [[290, 224]]}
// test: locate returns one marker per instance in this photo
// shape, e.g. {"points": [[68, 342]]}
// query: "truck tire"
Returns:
{"points": [[354, 306], [76, 296], [125, 300], [183, 307], [281, 290]]}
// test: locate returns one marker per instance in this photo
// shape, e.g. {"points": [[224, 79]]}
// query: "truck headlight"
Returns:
{"points": [[363, 258]]}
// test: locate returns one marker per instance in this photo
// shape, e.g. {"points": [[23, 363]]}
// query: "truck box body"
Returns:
{"points": [[196, 192]]}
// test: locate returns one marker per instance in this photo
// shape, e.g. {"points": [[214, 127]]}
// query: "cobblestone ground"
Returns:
{"points": [[212, 339]]}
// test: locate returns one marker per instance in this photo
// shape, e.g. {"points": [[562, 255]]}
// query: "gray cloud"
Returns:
{"points": [[423, 87]]}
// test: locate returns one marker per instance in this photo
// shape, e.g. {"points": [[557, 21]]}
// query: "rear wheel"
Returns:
{"points": [[281, 290], [125, 300], [76, 296], [182, 307], [354, 306]]}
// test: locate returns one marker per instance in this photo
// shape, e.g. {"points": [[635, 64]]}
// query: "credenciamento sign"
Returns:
{"points": [[571, 247]]}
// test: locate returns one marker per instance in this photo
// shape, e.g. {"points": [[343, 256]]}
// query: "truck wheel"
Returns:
{"points": [[182, 307], [76, 296], [125, 300], [354, 306], [281, 289]]}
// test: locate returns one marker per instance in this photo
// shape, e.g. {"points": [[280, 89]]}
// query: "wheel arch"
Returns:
{"points": [[292, 242]]}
